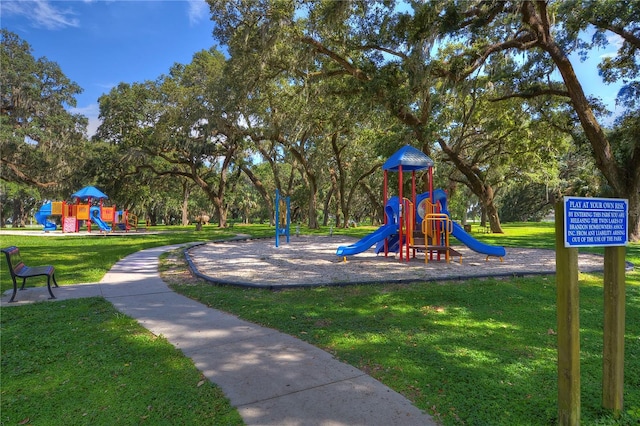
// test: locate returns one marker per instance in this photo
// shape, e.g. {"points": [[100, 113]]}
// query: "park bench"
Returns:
{"points": [[18, 269]]}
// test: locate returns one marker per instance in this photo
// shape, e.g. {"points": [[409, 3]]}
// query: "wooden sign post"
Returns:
{"points": [[568, 311], [590, 222], [614, 313]]}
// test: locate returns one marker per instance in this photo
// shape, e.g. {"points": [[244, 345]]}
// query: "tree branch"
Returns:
{"points": [[344, 63], [522, 42], [384, 49], [23, 178], [628, 36], [533, 94]]}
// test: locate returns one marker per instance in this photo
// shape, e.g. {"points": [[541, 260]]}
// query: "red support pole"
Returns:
{"points": [[431, 186], [413, 187], [407, 216], [89, 221], [403, 214], [64, 212], [385, 195], [400, 207], [77, 221], [414, 213], [433, 201]]}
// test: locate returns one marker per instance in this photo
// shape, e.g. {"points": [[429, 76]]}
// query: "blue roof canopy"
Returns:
{"points": [[89, 192], [409, 158]]}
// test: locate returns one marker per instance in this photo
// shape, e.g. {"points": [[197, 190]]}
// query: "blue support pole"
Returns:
{"points": [[277, 218], [287, 225], [288, 218]]}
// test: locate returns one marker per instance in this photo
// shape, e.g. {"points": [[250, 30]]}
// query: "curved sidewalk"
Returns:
{"points": [[270, 377]]}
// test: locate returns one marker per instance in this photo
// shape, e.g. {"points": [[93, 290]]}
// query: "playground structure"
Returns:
{"points": [[283, 224], [420, 223], [106, 218]]}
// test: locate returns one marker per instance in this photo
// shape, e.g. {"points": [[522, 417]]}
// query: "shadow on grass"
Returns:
{"points": [[475, 352], [81, 362]]}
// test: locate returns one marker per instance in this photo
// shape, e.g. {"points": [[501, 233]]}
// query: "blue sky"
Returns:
{"points": [[101, 43]]}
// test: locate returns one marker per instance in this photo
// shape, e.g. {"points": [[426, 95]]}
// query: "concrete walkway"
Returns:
{"points": [[272, 378]]}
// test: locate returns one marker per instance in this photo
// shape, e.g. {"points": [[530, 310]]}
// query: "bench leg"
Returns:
{"points": [[49, 286], [15, 290], [55, 283], [24, 281]]}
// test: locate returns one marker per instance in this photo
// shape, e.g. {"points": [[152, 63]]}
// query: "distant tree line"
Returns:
{"points": [[310, 98]]}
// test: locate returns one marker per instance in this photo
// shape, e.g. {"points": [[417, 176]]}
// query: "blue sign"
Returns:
{"points": [[595, 222]]}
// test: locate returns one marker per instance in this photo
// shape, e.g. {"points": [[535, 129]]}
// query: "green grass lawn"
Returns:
{"points": [[85, 259], [81, 362], [478, 352]]}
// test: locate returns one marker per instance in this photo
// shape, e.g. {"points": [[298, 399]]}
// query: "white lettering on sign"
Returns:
{"points": [[595, 222]]}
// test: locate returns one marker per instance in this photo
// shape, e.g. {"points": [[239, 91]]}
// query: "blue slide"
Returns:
{"points": [[475, 245], [459, 232], [393, 245], [367, 242], [95, 218], [42, 215], [101, 224]]}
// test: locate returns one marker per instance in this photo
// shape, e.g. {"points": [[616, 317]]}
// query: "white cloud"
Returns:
{"points": [[615, 40], [198, 10], [92, 112], [106, 86], [42, 13]]}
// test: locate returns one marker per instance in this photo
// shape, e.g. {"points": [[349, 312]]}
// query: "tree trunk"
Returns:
{"points": [[475, 182], [338, 182], [257, 183], [327, 205], [494, 219], [309, 177], [487, 199], [535, 16], [246, 213], [634, 216], [18, 213], [152, 217], [185, 203], [3, 219], [375, 200], [313, 202], [221, 212], [216, 195]]}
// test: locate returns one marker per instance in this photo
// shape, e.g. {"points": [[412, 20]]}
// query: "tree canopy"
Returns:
{"points": [[38, 136], [406, 55], [310, 97]]}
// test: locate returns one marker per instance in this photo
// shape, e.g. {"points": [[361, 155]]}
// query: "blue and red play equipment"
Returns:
{"points": [[42, 215], [419, 223], [105, 218]]}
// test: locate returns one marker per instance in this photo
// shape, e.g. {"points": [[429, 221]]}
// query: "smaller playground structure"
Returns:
{"points": [[106, 218], [418, 224]]}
